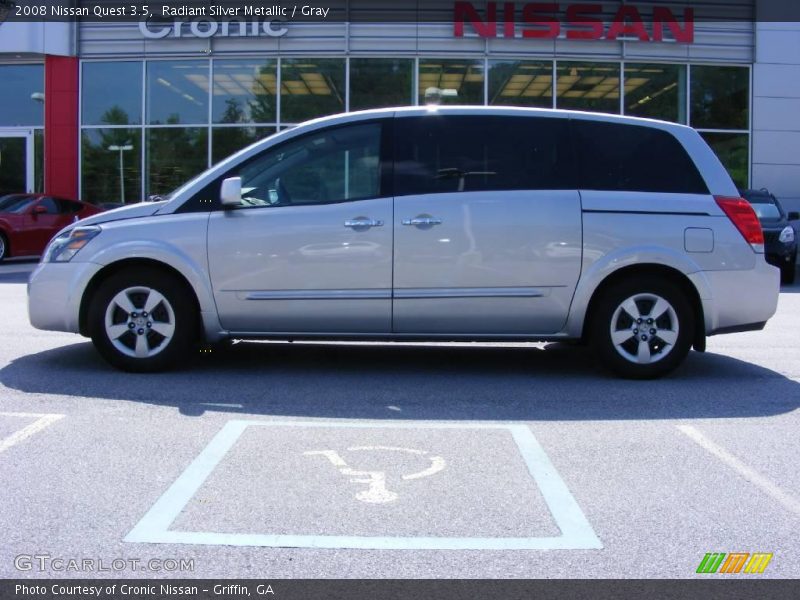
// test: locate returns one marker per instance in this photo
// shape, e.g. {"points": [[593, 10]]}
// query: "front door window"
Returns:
{"points": [[335, 165]]}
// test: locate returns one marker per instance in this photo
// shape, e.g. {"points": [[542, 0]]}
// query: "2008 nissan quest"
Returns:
{"points": [[440, 223]]}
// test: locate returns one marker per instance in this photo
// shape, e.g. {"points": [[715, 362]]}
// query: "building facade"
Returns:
{"points": [[114, 112]]}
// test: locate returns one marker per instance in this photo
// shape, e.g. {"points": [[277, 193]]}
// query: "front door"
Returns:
{"points": [[16, 161], [487, 225], [309, 250]]}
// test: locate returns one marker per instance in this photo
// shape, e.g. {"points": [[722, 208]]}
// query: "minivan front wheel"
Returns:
{"points": [[142, 320], [643, 329]]}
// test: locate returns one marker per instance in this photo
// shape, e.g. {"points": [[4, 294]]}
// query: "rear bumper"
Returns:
{"points": [[54, 294], [738, 300]]}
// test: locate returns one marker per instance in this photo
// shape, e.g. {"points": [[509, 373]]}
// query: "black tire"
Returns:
{"points": [[4, 248], [788, 273], [176, 309], [665, 357]]}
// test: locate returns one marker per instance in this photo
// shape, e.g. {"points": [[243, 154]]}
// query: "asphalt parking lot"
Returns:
{"points": [[369, 460]]}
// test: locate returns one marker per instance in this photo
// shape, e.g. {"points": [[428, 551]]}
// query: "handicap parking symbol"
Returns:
{"points": [[377, 492]]}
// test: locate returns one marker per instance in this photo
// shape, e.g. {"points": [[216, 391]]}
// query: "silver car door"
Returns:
{"points": [[310, 248], [487, 227]]}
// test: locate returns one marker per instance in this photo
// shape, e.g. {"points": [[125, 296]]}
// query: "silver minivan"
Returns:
{"points": [[427, 223]]}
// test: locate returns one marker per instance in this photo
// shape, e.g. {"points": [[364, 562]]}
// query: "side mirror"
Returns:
{"points": [[794, 216], [230, 193], [38, 210]]}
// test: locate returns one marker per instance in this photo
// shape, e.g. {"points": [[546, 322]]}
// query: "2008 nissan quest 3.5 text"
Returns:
{"points": [[440, 223]]}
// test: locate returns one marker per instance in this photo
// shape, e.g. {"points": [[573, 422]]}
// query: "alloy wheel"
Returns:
{"points": [[644, 328], [140, 322]]}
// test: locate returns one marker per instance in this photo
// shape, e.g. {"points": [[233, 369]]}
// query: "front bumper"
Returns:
{"points": [[54, 294]]}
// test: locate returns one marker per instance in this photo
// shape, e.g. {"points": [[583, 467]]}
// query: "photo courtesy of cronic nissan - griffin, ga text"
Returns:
{"points": [[428, 224]]}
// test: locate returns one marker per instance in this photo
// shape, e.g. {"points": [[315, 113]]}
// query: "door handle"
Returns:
{"points": [[363, 223], [422, 221]]}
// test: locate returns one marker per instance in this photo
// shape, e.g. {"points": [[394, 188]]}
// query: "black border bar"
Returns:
{"points": [[734, 587], [387, 11]]}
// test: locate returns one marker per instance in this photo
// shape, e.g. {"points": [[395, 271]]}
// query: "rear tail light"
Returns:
{"points": [[744, 218]]}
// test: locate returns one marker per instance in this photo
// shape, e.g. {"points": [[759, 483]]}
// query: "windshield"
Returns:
{"points": [[15, 203]]}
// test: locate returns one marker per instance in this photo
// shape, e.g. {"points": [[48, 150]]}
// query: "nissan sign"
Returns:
{"points": [[548, 20]]}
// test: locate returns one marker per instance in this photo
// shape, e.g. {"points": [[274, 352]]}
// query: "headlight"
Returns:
{"points": [[68, 244], [787, 235]]}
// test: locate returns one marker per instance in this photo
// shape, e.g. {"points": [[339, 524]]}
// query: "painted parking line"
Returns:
{"points": [[783, 498], [42, 421], [576, 532]]}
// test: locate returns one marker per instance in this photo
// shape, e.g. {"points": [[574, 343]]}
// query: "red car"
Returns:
{"points": [[29, 221]]}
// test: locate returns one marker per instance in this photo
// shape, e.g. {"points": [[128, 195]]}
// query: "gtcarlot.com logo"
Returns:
{"points": [[735, 562], [46, 562]]}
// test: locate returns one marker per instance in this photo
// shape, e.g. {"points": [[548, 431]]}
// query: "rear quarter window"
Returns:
{"points": [[632, 158]]}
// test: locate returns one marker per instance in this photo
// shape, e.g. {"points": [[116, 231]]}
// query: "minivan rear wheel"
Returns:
{"points": [[142, 320], [643, 329]]}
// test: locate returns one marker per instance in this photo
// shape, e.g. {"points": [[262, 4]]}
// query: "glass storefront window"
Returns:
{"points": [[245, 91], [656, 91], [521, 83], [733, 150], [381, 82], [227, 140], [244, 104], [111, 93], [720, 97], [311, 87], [22, 96], [108, 155], [588, 86], [464, 76], [177, 92], [174, 155], [13, 165]]}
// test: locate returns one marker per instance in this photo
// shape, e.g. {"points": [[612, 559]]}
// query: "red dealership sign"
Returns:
{"points": [[548, 20]]}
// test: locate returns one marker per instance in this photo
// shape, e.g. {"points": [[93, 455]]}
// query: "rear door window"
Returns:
{"points": [[632, 158], [455, 153], [68, 207]]}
